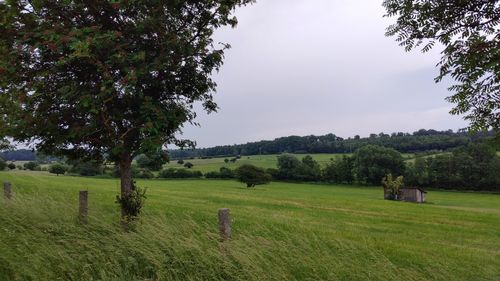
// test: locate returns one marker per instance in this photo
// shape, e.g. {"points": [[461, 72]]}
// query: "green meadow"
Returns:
{"points": [[281, 231], [264, 161]]}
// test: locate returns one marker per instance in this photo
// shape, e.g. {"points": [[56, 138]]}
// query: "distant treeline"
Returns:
{"points": [[19, 155], [422, 140]]}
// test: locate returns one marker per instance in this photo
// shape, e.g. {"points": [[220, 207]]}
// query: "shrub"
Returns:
{"points": [[339, 170], [87, 169], [372, 163], [173, 173], [291, 168], [11, 166], [3, 164], [132, 204], [224, 173], [252, 175], [141, 173], [58, 169], [188, 165], [152, 161], [273, 172], [180, 162], [393, 185], [32, 166], [19, 167]]}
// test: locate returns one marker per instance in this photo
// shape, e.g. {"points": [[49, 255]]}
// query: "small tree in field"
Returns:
{"points": [[393, 185], [118, 78], [31, 166], [11, 166], [58, 169], [252, 175]]}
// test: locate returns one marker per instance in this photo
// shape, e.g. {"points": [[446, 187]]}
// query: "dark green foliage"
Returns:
{"points": [[472, 167], [58, 169], [288, 166], [309, 169], [372, 163], [417, 173], [252, 175], [419, 141], [273, 172], [87, 168], [137, 172], [188, 165], [180, 162], [291, 168], [172, 173], [108, 78], [153, 161], [3, 164], [226, 160], [4, 143], [32, 166], [393, 185], [11, 166], [132, 204], [224, 173], [339, 170], [142, 173], [470, 32]]}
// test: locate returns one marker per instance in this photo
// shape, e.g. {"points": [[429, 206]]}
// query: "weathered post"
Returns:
{"points": [[224, 224], [7, 190], [84, 206]]}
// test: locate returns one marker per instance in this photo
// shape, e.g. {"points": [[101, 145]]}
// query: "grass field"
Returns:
{"points": [[264, 161], [281, 231]]}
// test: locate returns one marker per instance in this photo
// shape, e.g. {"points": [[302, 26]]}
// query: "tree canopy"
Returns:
{"points": [[252, 175], [470, 33], [116, 78], [372, 163]]}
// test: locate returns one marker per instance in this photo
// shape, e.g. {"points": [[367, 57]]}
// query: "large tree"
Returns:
{"points": [[372, 163], [117, 78], [469, 30]]}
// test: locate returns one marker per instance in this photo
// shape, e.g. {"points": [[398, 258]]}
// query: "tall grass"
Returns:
{"points": [[280, 232]]}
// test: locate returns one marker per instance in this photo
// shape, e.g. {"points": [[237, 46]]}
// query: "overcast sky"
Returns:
{"points": [[307, 67]]}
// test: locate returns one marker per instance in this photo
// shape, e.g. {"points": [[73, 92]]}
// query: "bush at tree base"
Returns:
{"points": [[132, 204]]}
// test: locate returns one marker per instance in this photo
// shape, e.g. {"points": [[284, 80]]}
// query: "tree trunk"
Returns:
{"points": [[125, 178]]}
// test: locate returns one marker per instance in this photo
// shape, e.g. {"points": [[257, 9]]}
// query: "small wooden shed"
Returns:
{"points": [[408, 194], [412, 194]]}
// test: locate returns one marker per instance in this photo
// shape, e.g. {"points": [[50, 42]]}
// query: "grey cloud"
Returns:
{"points": [[319, 66]]}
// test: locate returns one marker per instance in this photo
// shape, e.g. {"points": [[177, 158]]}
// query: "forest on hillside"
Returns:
{"points": [[419, 141]]}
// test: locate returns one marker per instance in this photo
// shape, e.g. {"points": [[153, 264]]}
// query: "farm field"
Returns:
{"points": [[264, 161], [281, 231]]}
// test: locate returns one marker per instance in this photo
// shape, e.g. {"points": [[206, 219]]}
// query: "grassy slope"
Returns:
{"points": [[265, 161], [280, 232]]}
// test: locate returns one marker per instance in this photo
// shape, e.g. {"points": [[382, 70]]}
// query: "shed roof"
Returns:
{"points": [[414, 187]]}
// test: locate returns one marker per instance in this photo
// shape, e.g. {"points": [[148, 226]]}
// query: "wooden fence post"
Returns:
{"points": [[7, 190], [84, 206], [224, 224]]}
